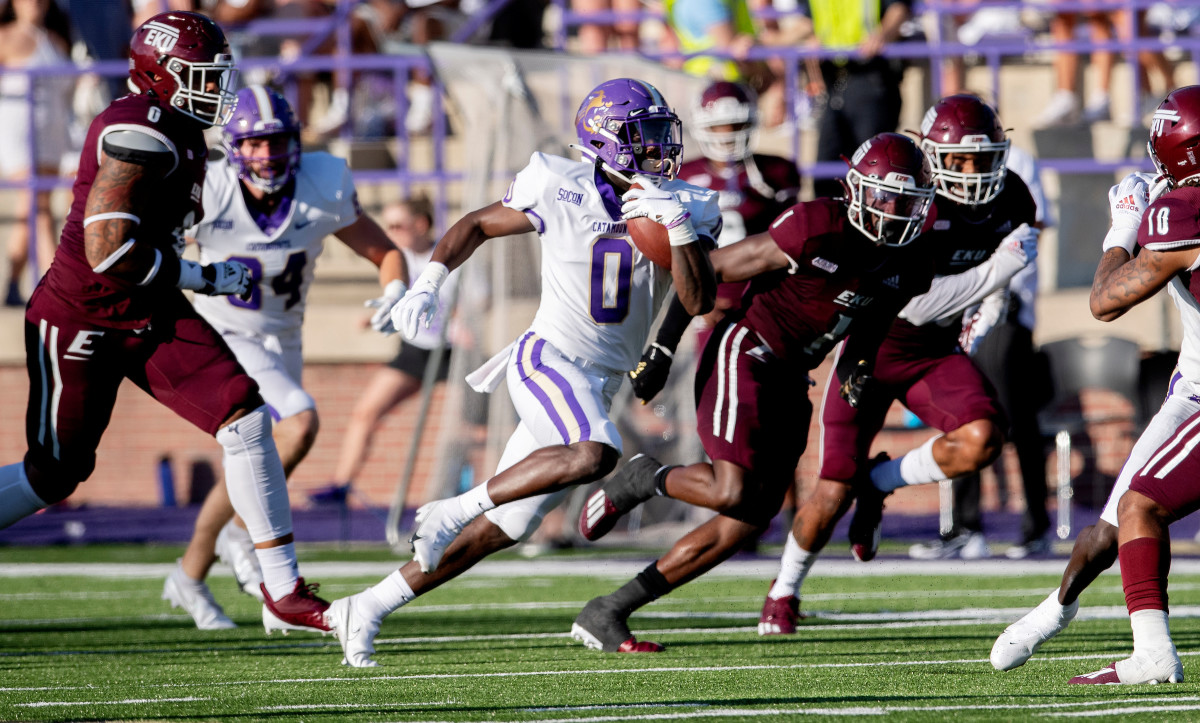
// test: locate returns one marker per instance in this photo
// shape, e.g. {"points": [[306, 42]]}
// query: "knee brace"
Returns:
{"points": [[519, 519], [254, 476], [18, 499]]}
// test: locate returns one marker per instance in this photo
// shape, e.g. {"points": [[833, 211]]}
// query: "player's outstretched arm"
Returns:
{"points": [[1122, 283], [692, 274], [368, 240], [748, 258], [455, 247]]}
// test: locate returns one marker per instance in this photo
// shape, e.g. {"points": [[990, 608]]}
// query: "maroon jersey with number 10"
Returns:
{"points": [[71, 289]]}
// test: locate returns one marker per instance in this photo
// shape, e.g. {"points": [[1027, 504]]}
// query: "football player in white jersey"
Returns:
{"points": [[1165, 229], [270, 206], [599, 298]]}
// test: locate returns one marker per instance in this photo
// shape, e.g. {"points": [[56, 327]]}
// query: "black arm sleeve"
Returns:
{"points": [[673, 325]]}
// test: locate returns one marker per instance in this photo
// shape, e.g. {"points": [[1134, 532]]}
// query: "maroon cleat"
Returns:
{"points": [[299, 610], [633, 646], [632, 485], [779, 616], [1104, 676], [868, 515]]}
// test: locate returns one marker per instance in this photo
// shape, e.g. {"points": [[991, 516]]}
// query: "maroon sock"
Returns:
{"points": [[1145, 563]]}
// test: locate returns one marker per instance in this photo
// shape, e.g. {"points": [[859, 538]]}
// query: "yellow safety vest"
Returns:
{"points": [[704, 65], [844, 23]]}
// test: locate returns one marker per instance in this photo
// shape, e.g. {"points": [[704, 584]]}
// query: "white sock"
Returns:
{"points": [[1051, 607], [17, 498], [793, 568], [915, 468], [1151, 632], [471, 504], [182, 577], [279, 569], [385, 597]]}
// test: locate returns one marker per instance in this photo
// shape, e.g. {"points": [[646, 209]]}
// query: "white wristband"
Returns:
{"points": [[682, 234], [433, 275], [1122, 238]]}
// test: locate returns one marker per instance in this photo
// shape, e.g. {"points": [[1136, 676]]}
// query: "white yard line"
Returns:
{"points": [[127, 701], [602, 567]]}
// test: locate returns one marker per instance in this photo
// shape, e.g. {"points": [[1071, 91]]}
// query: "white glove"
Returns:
{"points": [[1127, 202], [1022, 243], [1159, 186], [421, 302], [661, 207], [220, 279], [976, 325], [381, 320]]}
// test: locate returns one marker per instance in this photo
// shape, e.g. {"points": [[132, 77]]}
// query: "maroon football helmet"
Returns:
{"points": [[725, 103], [891, 188], [964, 124], [183, 59], [1175, 135]]}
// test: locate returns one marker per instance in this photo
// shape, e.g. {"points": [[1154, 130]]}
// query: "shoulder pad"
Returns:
{"points": [[1172, 222], [141, 146]]}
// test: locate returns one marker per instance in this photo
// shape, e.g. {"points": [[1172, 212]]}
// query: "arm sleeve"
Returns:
{"points": [[950, 295], [149, 149], [674, 323]]}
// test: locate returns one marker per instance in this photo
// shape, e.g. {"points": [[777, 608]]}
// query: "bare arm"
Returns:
{"points": [[122, 189], [748, 258], [692, 273], [1122, 282], [368, 240], [470, 231]]}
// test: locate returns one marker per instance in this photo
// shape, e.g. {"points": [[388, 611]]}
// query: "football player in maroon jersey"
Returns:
{"points": [[824, 268], [984, 234], [754, 189], [111, 306], [1166, 486]]}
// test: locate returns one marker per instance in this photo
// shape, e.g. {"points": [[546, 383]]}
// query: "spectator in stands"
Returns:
{"points": [[861, 89], [33, 33], [409, 224], [1063, 108], [1000, 342], [104, 28], [595, 38], [969, 28]]}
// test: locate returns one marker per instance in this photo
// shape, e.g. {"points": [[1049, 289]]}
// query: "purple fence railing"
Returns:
{"points": [[343, 63]]}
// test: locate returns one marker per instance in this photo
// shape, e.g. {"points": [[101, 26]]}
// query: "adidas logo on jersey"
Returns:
{"points": [[892, 282]]}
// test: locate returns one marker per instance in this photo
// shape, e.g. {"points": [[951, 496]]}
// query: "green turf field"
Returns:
{"points": [[96, 642]]}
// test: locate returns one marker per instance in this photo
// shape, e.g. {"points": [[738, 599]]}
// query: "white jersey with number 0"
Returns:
{"points": [[599, 293], [281, 263]]}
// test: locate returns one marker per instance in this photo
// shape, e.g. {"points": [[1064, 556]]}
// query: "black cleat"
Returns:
{"points": [[600, 626], [868, 514], [628, 488]]}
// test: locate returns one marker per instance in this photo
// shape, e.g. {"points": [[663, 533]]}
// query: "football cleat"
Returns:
{"points": [[628, 488], [779, 615], [300, 609], [236, 549], [868, 515], [1139, 668], [1021, 640], [195, 597], [600, 626], [355, 631], [965, 545], [435, 530]]}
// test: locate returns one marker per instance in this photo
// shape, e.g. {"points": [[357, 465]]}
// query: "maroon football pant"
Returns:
{"points": [[1172, 476], [752, 409], [945, 392], [76, 367]]}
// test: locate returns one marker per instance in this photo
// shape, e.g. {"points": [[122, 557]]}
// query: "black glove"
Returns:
{"points": [[650, 376], [858, 384]]}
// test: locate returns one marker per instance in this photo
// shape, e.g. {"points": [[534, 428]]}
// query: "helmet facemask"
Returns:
{"points": [[978, 187], [203, 90], [890, 211], [648, 146], [270, 172]]}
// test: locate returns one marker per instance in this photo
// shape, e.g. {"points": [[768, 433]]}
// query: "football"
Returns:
{"points": [[650, 238]]}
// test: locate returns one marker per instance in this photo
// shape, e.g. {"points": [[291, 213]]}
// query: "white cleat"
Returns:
{"points": [[194, 597], [236, 549], [1021, 640], [1138, 669], [435, 530], [355, 631]]}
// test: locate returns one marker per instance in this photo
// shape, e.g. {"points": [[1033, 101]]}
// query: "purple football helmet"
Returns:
{"points": [[262, 113], [628, 127]]}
